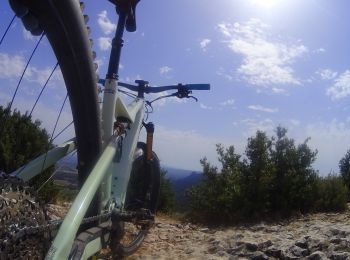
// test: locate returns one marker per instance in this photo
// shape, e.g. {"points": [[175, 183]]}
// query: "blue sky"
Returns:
{"points": [[269, 63]]}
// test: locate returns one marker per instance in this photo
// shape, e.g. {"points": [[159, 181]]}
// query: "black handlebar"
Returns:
{"points": [[145, 88]]}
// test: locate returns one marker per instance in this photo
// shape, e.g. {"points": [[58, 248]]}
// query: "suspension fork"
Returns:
{"points": [[149, 141]]}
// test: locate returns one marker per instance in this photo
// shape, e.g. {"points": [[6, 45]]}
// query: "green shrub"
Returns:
{"points": [[167, 203], [21, 141], [332, 194], [275, 179], [344, 167]]}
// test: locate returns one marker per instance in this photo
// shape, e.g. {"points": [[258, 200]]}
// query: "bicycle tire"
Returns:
{"points": [[149, 197], [63, 23]]}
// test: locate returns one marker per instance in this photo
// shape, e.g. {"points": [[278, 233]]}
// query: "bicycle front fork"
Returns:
{"points": [[149, 141]]}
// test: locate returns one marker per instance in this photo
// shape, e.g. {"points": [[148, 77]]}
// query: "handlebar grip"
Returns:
{"points": [[197, 86]]}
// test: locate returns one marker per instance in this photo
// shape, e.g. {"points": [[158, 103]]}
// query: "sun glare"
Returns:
{"points": [[265, 3]]}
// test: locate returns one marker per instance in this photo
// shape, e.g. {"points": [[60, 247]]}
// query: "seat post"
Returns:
{"points": [[117, 44]]}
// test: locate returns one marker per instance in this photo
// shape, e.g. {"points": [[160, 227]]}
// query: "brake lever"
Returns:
{"points": [[196, 99], [185, 94]]}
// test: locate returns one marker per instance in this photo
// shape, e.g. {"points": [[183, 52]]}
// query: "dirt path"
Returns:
{"points": [[316, 236]]}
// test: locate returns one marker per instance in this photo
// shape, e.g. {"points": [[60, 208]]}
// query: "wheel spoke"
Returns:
{"points": [[7, 29], [42, 89], [24, 71]]}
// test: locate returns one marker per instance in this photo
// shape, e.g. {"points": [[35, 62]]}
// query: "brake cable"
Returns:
{"points": [[181, 93]]}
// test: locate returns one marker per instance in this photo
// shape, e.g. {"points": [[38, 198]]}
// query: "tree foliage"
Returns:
{"points": [[22, 140], [344, 167], [167, 203], [331, 194], [274, 178]]}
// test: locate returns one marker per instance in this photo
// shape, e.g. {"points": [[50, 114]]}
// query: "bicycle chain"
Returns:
{"points": [[25, 232]]}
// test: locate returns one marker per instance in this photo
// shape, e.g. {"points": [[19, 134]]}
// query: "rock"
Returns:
{"points": [[251, 246], [215, 248], [222, 253], [189, 250], [265, 244], [238, 237], [290, 236], [317, 255], [164, 225], [258, 228], [317, 237], [335, 231], [298, 251], [163, 237], [301, 244], [335, 240], [211, 239], [339, 256], [313, 244], [272, 229], [235, 250], [274, 252], [258, 256]]}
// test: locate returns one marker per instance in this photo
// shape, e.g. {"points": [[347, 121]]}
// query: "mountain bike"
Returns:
{"points": [[119, 176]]}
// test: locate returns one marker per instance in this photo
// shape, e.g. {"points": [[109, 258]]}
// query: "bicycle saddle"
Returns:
{"points": [[128, 7]]}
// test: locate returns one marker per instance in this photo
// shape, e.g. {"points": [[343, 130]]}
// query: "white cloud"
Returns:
{"points": [[320, 50], [188, 146], [222, 73], [263, 109], [100, 63], [294, 122], [40, 76], [105, 24], [327, 74], [204, 44], [27, 35], [225, 29], [205, 107], [253, 125], [341, 86], [11, 66], [329, 138], [229, 102], [279, 91], [164, 70], [104, 43], [265, 62]]}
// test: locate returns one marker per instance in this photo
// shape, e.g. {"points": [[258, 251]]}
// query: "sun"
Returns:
{"points": [[265, 3]]}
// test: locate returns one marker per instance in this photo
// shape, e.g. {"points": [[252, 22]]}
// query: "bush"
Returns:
{"points": [[332, 194], [216, 199], [21, 141], [275, 179], [344, 167], [167, 203]]}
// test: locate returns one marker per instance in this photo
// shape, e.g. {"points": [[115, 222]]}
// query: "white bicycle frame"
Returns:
{"points": [[112, 176]]}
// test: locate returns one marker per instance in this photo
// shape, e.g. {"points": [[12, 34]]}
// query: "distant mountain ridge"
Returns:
{"points": [[180, 179], [176, 173]]}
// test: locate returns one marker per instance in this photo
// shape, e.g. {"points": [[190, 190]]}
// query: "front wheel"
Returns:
{"points": [[142, 195]]}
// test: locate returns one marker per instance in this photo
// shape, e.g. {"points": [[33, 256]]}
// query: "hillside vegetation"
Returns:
{"points": [[273, 179]]}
